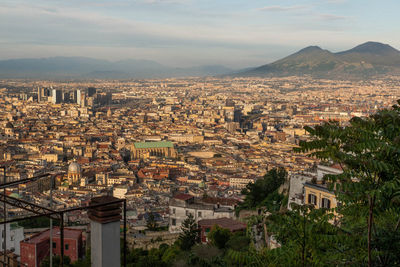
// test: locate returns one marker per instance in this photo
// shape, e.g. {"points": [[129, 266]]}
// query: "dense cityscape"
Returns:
{"points": [[195, 133], [169, 147]]}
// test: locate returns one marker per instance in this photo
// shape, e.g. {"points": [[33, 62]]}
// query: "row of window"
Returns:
{"points": [[312, 199], [199, 214], [187, 214], [55, 245]]}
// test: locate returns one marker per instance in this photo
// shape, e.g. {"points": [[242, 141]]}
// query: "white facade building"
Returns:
{"points": [[120, 191], [184, 204], [14, 235], [297, 181]]}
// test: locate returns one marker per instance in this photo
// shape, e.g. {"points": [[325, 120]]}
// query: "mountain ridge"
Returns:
{"points": [[85, 68], [366, 60]]}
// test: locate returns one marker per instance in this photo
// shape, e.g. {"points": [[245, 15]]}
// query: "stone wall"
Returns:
{"points": [[152, 240]]}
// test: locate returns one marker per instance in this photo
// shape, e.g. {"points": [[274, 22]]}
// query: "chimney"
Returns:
{"points": [[105, 232]]}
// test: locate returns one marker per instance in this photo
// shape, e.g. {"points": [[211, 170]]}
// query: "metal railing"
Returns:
{"points": [[40, 211]]}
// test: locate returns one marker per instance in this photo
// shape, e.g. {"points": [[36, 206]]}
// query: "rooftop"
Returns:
{"points": [[182, 196], [160, 144], [68, 234], [318, 187]]}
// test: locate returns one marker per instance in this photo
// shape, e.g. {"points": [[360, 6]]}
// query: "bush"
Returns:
{"points": [[219, 236]]}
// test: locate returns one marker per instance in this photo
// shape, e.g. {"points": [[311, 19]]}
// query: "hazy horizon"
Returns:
{"points": [[182, 33]]}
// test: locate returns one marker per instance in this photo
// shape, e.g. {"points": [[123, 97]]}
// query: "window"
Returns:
{"points": [[312, 199], [326, 203], [66, 246], [199, 214], [54, 245], [173, 222], [187, 213], [173, 211]]}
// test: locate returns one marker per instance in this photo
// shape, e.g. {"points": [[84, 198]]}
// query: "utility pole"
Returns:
{"points": [[5, 218], [51, 221]]}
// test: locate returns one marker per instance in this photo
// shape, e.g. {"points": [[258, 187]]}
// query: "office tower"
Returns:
{"points": [[237, 115], [78, 95], [83, 100], [104, 99], [91, 91], [66, 97], [56, 96], [39, 94]]}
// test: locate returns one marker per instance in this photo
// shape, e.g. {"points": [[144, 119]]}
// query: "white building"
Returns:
{"points": [[181, 205], [297, 181], [14, 235], [120, 191]]}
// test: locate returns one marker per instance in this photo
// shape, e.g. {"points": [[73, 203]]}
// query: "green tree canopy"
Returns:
{"points": [[368, 149], [219, 236], [264, 192], [151, 223], [190, 233]]}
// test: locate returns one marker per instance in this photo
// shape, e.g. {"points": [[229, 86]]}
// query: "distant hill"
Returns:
{"points": [[87, 68], [363, 61]]}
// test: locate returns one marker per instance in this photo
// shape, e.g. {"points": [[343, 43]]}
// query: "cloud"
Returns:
{"points": [[281, 8], [331, 17], [168, 34], [336, 1], [165, 1], [88, 28]]}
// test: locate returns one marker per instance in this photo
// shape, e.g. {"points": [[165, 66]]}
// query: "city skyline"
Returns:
{"points": [[189, 33]]}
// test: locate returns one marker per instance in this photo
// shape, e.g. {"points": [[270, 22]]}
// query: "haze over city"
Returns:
{"points": [[184, 33]]}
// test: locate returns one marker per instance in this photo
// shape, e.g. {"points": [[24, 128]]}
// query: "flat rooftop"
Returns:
{"points": [[68, 234], [160, 144]]}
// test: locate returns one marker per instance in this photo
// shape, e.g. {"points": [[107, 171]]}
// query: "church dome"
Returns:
{"points": [[9, 125], [74, 168]]}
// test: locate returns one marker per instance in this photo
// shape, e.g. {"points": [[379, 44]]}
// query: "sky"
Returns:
{"points": [[183, 33]]}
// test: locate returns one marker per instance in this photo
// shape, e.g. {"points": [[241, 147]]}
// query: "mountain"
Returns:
{"points": [[363, 61], [374, 53], [89, 68]]}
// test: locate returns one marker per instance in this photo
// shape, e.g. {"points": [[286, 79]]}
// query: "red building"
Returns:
{"points": [[226, 223], [37, 247]]}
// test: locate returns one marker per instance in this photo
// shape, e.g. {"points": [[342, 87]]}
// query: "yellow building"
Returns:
{"points": [[319, 196]]}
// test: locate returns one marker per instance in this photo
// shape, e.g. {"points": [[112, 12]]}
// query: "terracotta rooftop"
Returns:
{"points": [[220, 200], [182, 196], [68, 234]]}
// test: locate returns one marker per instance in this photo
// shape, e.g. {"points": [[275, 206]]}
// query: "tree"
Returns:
{"points": [[368, 150], [264, 192], [219, 236], [238, 241], [190, 233], [205, 255], [306, 237], [151, 222]]}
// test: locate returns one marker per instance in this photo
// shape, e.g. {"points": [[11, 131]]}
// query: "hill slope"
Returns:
{"points": [[363, 61]]}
